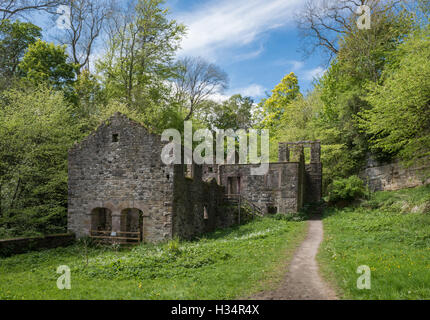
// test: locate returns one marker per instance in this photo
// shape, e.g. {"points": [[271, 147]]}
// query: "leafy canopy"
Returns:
{"points": [[399, 120], [282, 96], [47, 62]]}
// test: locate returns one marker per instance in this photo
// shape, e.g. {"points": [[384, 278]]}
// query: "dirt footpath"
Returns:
{"points": [[303, 281]]}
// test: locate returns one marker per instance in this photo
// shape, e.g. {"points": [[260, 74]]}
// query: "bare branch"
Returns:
{"points": [[12, 8], [197, 80], [87, 20], [323, 22]]}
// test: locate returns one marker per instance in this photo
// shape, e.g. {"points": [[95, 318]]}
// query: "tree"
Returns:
{"points": [[277, 104], [15, 37], [363, 53], [47, 62], [87, 19], [362, 56], [196, 80], [89, 98], [33, 159], [234, 113], [141, 49], [399, 120], [424, 7], [300, 120], [323, 22]]}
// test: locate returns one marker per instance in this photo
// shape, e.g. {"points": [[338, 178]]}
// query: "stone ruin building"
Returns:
{"points": [[119, 188]]}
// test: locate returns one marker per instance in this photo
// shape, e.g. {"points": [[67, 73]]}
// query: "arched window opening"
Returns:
{"points": [[132, 225]]}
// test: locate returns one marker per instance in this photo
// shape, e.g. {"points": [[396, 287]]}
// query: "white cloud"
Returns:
{"points": [[219, 97], [225, 24], [310, 75], [250, 55], [254, 90], [296, 65], [299, 68]]}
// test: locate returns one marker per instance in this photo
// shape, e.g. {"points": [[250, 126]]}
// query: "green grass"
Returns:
{"points": [[226, 264], [390, 233]]}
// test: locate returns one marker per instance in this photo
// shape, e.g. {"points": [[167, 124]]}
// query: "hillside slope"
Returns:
{"points": [[389, 233]]}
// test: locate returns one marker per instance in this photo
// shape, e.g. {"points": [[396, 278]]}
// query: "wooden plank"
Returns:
{"points": [[113, 238], [117, 232], [117, 242]]}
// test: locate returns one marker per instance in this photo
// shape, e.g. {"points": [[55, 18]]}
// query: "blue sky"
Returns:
{"points": [[255, 41]]}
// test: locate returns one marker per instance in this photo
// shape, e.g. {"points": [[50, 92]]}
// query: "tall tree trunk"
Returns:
{"points": [[12, 204]]}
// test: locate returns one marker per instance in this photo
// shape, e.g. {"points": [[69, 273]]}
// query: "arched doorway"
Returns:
{"points": [[101, 219], [101, 224], [132, 224]]}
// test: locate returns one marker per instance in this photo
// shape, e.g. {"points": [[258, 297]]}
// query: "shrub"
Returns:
{"points": [[173, 246], [348, 189]]}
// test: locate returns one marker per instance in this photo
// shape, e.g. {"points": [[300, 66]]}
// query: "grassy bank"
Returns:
{"points": [[223, 265], [390, 233]]}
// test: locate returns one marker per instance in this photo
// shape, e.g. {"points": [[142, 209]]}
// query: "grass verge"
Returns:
{"points": [[224, 265], [390, 233]]}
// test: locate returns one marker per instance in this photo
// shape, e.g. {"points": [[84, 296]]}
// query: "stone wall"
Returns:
{"points": [[119, 167], [313, 170], [21, 245], [394, 176], [198, 206], [288, 185], [280, 190]]}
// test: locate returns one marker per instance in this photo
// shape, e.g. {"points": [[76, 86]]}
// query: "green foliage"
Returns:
{"points": [[173, 246], [15, 37], [362, 57], [309, 119], [37, 130], [394, 243], [342, 98], [399, 120], [47, 63], [140, 55], [348, 189], [274, 107], [234, 113], [138, 63], [413, 197], [88, 96], [361, 82], [363, 53]]}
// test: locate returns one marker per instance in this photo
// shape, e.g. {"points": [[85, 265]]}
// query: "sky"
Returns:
{"points": [[255, 41]]}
